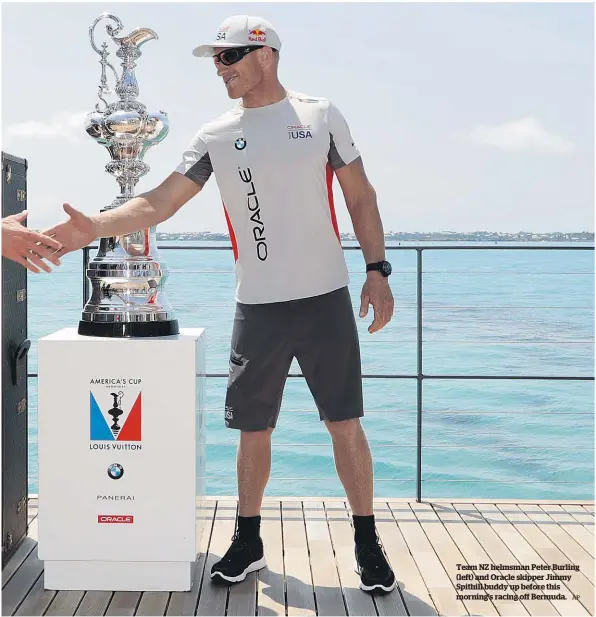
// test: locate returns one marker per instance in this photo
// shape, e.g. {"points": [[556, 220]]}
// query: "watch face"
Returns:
{"points": [[386, 268]]}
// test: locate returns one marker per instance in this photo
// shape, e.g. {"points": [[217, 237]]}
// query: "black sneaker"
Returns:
{"points": [[372, 566], [240, 559]]}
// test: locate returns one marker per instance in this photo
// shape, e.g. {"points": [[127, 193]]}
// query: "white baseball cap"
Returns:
{"points": [[240, 31]]}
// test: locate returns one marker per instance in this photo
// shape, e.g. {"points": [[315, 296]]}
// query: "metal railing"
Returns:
{"points": [[419, 376]]}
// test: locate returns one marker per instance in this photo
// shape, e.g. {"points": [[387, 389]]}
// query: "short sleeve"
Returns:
{"points": [[196, 163], [342, 150]]}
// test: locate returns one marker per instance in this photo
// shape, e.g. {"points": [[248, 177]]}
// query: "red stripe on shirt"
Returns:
{"points": [[232, 234], [330, 197]]}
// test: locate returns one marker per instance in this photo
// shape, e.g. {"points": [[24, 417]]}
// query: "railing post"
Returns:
{"points": [[85, 282], [419, 376]]}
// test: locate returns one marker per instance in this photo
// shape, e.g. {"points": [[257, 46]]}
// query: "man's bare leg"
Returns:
{"points": [[354, 467], [246, 553], [253, 467], [353, 462]]}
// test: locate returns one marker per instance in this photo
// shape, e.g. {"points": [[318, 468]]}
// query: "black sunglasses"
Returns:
{"points": [[234, 54]]}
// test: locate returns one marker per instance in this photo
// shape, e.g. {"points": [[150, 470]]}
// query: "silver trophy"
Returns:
{"points": [[127, 274]]}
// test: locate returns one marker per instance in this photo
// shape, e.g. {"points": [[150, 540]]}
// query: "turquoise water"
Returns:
{"points": [[494, 312]]}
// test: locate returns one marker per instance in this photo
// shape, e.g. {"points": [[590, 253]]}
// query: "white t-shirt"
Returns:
{"points": [[274, 169]]}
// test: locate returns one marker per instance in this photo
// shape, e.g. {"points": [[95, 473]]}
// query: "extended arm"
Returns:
{"points": [[145, 210], [148, 209]]}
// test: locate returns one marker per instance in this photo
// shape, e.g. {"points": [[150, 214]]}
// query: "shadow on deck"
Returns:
{"points": [[309, 549]]}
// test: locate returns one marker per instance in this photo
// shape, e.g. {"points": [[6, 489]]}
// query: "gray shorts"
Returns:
{"points": [[320, 332]]}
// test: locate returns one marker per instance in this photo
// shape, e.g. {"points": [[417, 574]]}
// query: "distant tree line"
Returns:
{"points": [[432, 236]]}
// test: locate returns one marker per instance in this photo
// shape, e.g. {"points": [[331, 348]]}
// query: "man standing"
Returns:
{"points": [[274, 155]]}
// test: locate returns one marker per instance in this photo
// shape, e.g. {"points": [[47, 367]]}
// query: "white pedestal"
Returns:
{"points": [[118, 506]]}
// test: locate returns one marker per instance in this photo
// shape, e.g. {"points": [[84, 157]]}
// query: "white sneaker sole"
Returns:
{"points": [[253, 567], [375, 587]]}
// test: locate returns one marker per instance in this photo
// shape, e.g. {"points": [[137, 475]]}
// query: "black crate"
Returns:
{"points": [[15, 346]]}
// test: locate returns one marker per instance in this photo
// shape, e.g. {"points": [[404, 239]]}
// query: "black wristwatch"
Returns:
{"points": [[384, 267]]}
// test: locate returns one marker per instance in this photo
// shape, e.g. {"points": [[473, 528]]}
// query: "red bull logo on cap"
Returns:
{"points": [[257, 36]]}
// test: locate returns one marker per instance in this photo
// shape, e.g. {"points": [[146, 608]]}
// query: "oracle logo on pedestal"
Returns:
{"points": [[115, 518]]}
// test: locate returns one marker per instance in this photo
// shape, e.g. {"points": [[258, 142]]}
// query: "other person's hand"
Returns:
{"points": [[27, 246]]}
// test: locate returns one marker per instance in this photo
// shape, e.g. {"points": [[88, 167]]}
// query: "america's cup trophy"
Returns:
{"points": [[127, 274]]}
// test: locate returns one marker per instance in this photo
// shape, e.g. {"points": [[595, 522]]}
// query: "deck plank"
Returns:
{"points": [[94, 603], [449, 554], [342, 538], [576, 530], [412, 592], [124, 603], [28, 544], [32, 511], [65, 603], [328, 595], [550, 553], [37, 600], [19, 557], [242, 598], [580, 515], [184, 603], [214, 596], [474, 554], [398, 500], [271, 590], [527, 547], [299, 588], [499, 552], [310, 554], [474, 500], [153, 603], [565, 543], [21, 583], [436, 579]]}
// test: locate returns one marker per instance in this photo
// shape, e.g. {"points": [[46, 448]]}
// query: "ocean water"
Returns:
{"points": [[486, 312]]}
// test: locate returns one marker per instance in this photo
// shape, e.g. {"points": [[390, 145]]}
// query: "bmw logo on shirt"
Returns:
{"points": [[115, 471], [240, 143]]}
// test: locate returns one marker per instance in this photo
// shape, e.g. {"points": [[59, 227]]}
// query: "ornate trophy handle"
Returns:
{"points": [[109, 28], [103, 52]]}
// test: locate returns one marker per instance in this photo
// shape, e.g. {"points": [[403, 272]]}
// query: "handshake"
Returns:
{"points": [[34, 249]]}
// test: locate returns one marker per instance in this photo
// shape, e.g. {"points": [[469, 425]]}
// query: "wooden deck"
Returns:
{"points": [[309, 548]]}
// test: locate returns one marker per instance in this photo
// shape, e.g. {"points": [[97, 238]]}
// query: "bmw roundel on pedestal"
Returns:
{"points": [[115, 471]]}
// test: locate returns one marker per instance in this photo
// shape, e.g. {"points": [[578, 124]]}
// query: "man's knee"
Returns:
{"points": [[255, 438], [345, 430]]}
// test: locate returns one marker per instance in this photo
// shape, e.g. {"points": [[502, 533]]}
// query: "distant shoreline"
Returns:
{"points": [[584, 236]]}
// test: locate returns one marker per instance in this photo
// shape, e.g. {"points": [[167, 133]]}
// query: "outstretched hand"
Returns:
{"points": [[75, 233], [376, 291], [27, 246]]}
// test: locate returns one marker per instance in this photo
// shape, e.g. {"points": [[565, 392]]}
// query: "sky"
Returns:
{"points": [[468, 116]]}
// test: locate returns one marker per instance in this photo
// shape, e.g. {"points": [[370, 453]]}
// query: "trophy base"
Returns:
{"points": [[131, 329]]}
